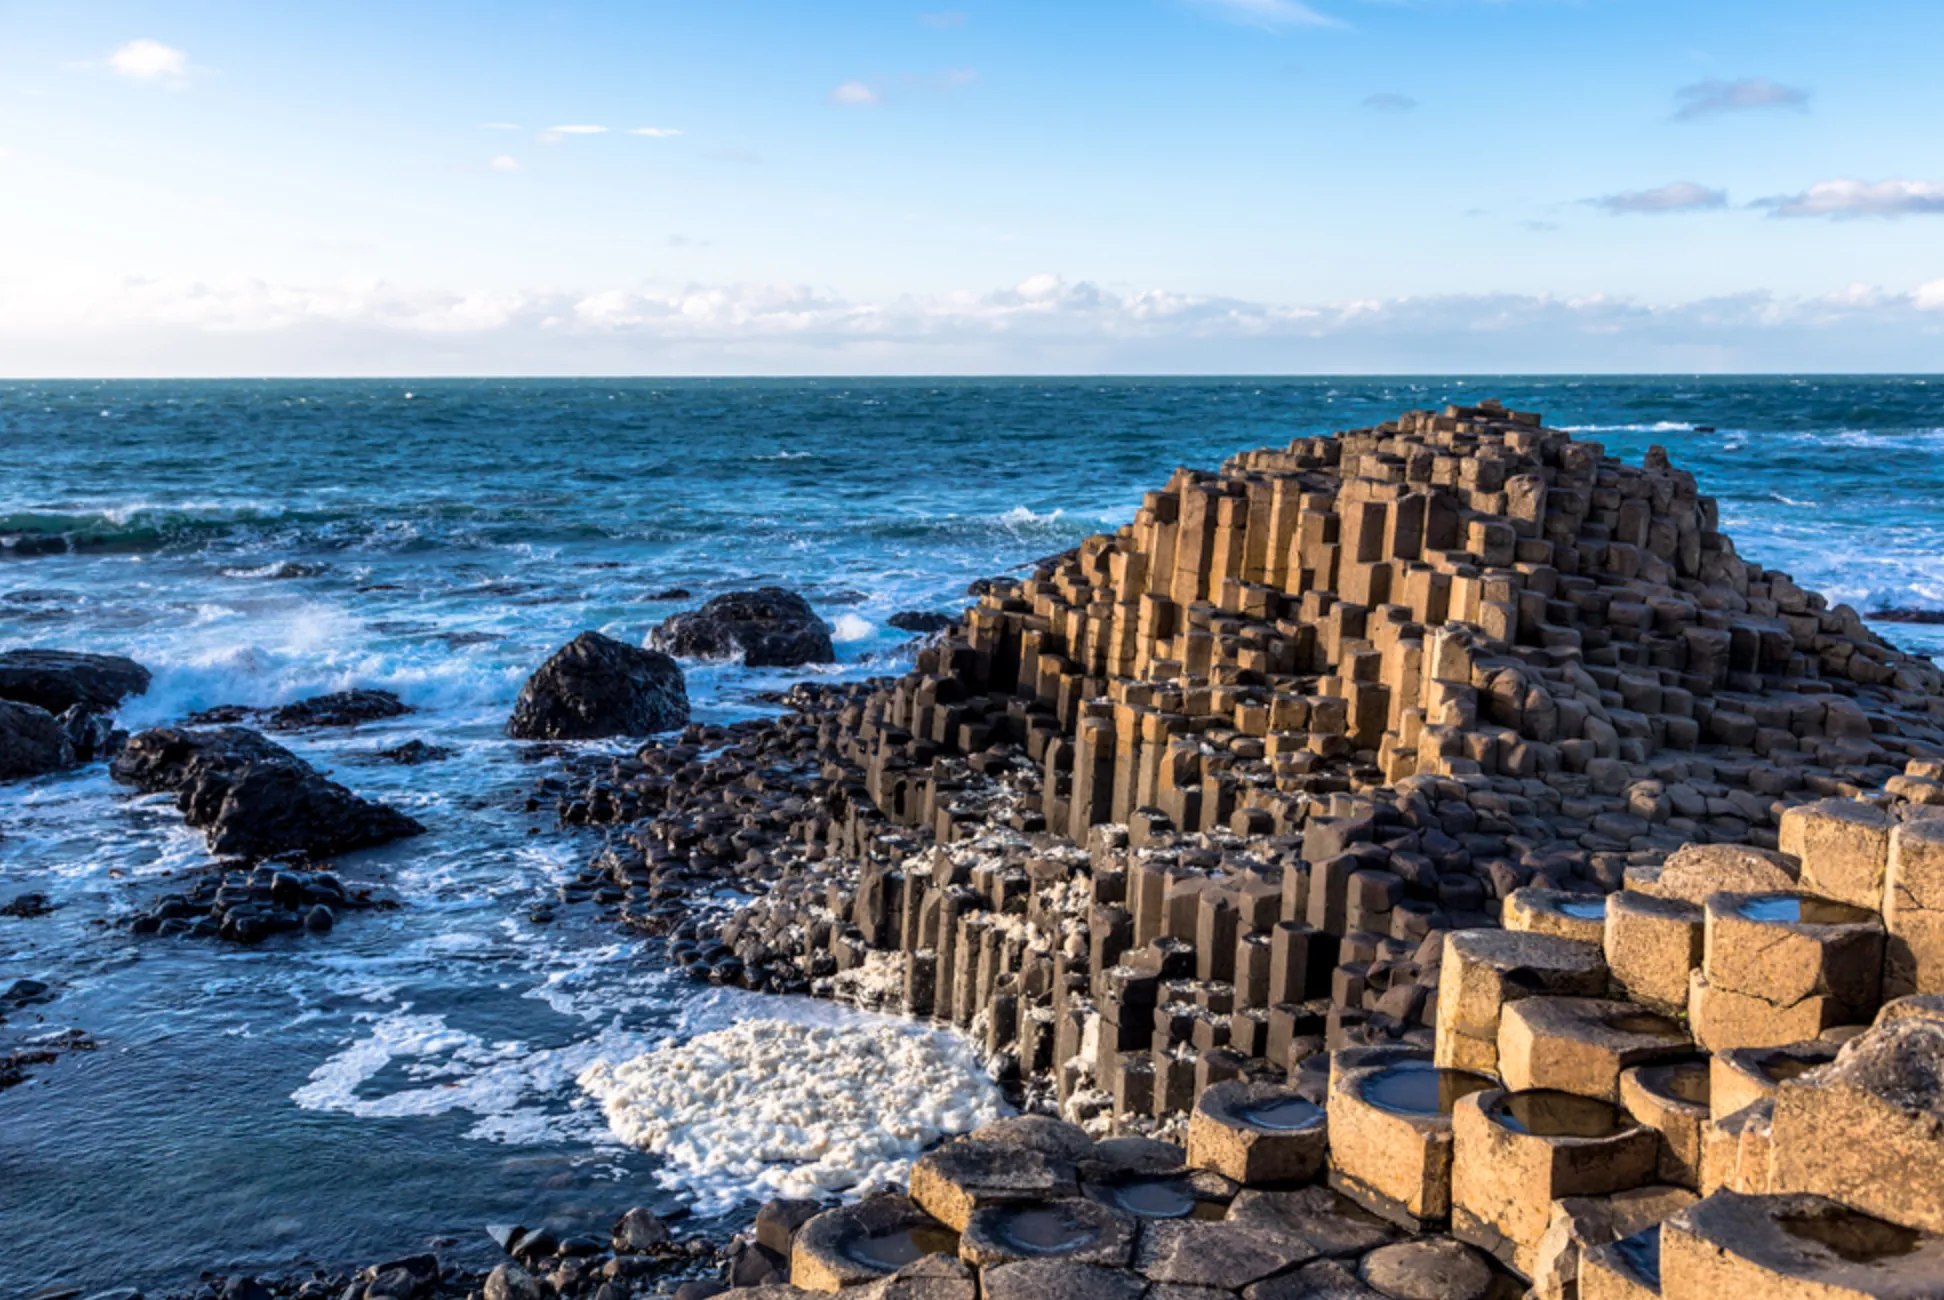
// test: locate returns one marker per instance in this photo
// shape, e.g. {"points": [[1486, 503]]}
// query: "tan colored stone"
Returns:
{"points": [[1843, 845], [1514, 1154], [1793, 1247], [1580, 1045], [1820, 948], [1674, 1099], [1485, 969], [1390, 1136], [1745, 1075], [1913, 909], [1868, 1130], [1580, 917], [1257, 1133], [1694, 871], [1651, 944], [1721, 1020], [1580, 1223]]}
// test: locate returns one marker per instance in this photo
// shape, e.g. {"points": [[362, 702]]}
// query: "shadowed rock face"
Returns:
{"points": [[338, 709], [255, 799], [596, 686], [32, 742], [769, 628], [58, 680]]}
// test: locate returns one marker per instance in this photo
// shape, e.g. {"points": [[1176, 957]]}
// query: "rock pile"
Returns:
{"points": [[56, 708], [253, 798]]}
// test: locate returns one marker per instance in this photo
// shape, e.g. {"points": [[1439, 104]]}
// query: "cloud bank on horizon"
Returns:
{"points": [[1186, 185]]}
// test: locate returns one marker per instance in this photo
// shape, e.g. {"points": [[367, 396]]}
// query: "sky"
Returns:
{"points": [[720, 187]]}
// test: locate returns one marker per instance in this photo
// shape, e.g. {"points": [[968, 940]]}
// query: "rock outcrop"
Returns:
{"points": [[58, 680], [768, 628], [252, 798], [596, 686], [32, 742]]}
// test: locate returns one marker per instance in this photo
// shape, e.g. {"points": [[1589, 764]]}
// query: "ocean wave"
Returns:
{"points": [[1658, 426]]}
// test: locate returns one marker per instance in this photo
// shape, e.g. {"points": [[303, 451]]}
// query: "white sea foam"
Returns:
{"points": [[515, 1093], [849, 628], [1658, 426], [774, 1108]]}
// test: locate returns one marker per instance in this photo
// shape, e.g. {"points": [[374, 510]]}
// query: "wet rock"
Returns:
{"points": [[23, 906], [596, 686], [411, 754], [921, 622], [58, 680], [404, 1279], [338, 709], [246, 1288], [640, 1231], [252, 798], [90, 735], [769, 628], [23, 992], [778, 1220], [511, 1282], [1038, 1279], [32, 742], [952, 1181], [1437, 1268]]}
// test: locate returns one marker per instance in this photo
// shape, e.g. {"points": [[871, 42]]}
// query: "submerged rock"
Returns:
{"points": [[58, 680], [769, 628], [32, 742], [596, 686], [338, 709], [922, 622], [252, 798]]}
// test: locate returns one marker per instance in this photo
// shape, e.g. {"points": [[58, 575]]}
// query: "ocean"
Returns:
{"points": [[411, 1077]]}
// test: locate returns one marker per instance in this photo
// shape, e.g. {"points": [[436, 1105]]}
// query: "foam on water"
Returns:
{"points": [[771, 1107]]}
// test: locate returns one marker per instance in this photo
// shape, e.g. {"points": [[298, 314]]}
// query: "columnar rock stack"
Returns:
{"points": [[1611, 1152], [1206, 796]]}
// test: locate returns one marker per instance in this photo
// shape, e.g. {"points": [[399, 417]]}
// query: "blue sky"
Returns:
{"points": [[835, 187]]}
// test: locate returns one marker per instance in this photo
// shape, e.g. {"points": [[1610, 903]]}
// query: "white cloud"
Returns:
{"points": [[854, 94], [1270, 13], [1680, 196], [147, 60], [577, 130], [1853, 198], [1706, 98], [505, 162], [656, 132], [1930, 297]]}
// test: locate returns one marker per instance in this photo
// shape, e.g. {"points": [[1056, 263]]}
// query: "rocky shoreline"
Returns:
{"points": [[1193, 832]]}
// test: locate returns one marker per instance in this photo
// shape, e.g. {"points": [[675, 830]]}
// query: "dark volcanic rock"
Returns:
{"points": [[32, 742], [338, 709], [596, 686], [410, 754], [252, 798], [1928, 616], [769, 628], [57, 680], [920, 621]]}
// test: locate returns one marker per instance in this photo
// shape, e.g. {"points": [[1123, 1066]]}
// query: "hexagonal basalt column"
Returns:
{"points": [[1913, 909], [1652, 945], [1868, 1129], [1515, 1153], [1844, 847], [957, 1178], [1627, 1269], [1794, 1246], [860, 1243], [1485, 969], [1580, 1045], [1781, 968], [1258, 1133], [1746, 1075], [1672, 1097], [1390, 1134], [1085, 1232], [1580, 917]]}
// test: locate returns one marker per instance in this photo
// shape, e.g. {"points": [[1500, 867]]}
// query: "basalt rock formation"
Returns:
{"points": [[1440, 810], [254, 799], [767, 628], [58, 680], [596, 686]]}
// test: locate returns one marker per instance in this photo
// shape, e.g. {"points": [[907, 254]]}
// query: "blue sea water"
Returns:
{"points": [[410, 1078]]}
